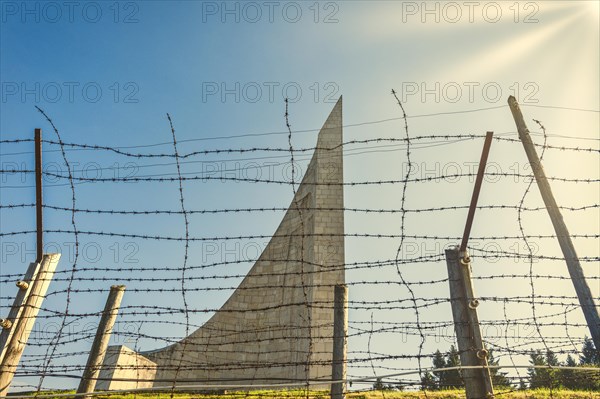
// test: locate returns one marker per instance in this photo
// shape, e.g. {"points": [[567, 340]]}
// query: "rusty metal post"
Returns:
{"points": [[38, 195], [480, 172], [478, 382]]}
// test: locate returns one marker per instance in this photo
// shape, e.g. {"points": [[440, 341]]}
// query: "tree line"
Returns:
{"points": [[537, 377], [452, 379], [565, 378]]}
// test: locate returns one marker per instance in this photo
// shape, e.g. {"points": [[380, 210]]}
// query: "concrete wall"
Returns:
{"points": [[125, 369], [277, 327]]}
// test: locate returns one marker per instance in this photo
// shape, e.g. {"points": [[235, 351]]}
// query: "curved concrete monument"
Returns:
{"points": [[277, 327]]}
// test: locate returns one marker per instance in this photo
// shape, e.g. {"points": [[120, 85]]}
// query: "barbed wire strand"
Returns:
{"points": [[185, 258], [402, 227], [51, 350], [63, 355]]}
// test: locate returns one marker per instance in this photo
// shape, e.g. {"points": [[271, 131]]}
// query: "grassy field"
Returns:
{"points": [[298, 394], [456, 394]]}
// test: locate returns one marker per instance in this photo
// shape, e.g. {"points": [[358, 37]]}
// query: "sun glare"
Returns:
{"points": [[594, 8]]}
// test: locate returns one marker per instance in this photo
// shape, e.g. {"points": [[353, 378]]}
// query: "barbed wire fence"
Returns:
{"points": [[122, 229]]}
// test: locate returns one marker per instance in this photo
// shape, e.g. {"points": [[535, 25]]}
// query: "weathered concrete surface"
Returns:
{"points": [[277, 327], [125, 369]]}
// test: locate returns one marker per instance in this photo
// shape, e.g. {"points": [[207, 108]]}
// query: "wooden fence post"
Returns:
{"points": [[9, 323], [26, 320], [100, 344], [340, 334], [478, 382], [586, 299]]}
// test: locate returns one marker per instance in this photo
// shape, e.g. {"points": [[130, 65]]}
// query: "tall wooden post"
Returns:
{"points": [[586, 300], [478, 382], [100, 344], [340, 334], [25, 323], [9, 323]]}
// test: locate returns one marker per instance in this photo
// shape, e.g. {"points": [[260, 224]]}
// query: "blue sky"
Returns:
{"points": [[108, 73]]}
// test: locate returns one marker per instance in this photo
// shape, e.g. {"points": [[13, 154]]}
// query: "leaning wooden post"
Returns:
{"points": [[340, 336], [26, 320], [100, 344], [586, 300], [9, 323], [478, 382]]}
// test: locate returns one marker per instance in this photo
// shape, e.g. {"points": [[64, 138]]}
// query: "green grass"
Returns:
{"points": [[302, 394], [460, 394]]}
